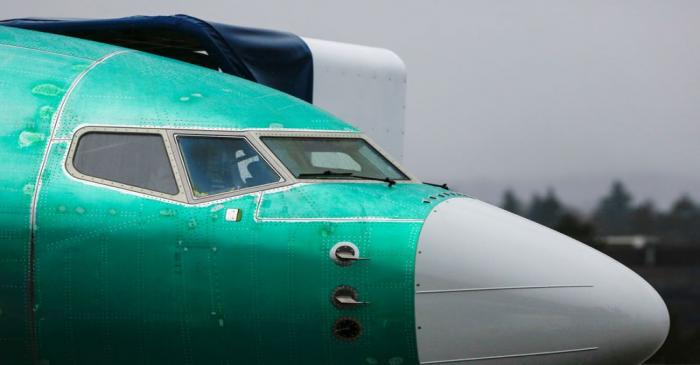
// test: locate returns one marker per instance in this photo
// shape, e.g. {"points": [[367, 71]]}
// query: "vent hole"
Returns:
{"points": [[347, 329]]}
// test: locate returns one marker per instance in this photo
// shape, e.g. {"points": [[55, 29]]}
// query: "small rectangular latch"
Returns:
{"points": [[233, 215]]}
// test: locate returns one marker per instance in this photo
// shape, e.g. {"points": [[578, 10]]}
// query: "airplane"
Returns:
{"points": [[158, 212]]}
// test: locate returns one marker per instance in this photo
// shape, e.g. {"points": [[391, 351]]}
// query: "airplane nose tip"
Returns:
{"points": [[648, 322], [494, 286]]}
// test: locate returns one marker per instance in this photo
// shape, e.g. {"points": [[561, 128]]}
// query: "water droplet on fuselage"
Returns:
{"points": [[27, 138], [47, 90]]}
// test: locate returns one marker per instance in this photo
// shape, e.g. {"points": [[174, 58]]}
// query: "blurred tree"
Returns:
{"points": [[682, 223], [571, 225], [546, 210], [613, 214], [644, 219], [511, 202]]}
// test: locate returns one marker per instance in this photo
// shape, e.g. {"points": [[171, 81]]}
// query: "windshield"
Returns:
{"points": [[222, 164], [332, 158]]}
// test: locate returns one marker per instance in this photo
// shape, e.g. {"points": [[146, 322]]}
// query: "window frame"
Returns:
{"points": [[259, 134], [77, 136], [253, 137], [263, 152]]}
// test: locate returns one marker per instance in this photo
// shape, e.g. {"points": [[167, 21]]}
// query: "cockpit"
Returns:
{"points": [[197, 166]]}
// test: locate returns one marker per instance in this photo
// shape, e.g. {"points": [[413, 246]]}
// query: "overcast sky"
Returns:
{"points": [[522, 94]]}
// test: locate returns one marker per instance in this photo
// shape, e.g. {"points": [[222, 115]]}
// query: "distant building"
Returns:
{"points": [[637, 241]]}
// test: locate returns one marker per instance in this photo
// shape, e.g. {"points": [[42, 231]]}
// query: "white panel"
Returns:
{"points": [[492, 286], [363, 86]]}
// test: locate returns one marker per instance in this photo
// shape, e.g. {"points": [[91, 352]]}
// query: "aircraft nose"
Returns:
{"points": [[492, 286]]}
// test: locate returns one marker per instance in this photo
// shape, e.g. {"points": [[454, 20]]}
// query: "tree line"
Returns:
{"points": [[616, 214]]}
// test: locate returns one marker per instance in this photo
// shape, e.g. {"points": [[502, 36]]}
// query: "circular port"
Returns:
{"points": [[347, 329], [344, 253], [344, 297]]}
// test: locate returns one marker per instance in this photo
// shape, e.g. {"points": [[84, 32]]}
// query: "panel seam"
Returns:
{"points": [[47, 51], [543, 353], [438, 291], [258, 218], [30, 297]]}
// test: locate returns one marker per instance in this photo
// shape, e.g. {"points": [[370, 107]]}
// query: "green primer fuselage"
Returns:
{"points": [[106, 276]]}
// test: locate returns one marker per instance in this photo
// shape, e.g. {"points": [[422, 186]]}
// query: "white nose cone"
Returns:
{"points": [[496, 288]]}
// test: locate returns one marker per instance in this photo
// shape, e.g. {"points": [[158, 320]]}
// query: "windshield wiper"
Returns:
{"points": [[329, 173], [444, 186]]}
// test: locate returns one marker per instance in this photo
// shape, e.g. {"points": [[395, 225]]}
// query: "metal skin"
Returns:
{"points": [[502, 290], [96, 274]]}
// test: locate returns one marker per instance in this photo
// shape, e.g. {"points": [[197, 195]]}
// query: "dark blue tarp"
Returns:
{"points": [[276, 59]]}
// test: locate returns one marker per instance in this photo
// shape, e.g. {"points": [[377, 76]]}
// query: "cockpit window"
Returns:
{"points": [[332, 158], [218, 165], [135, 159]]}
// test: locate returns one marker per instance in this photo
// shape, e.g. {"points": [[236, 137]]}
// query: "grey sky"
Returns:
{"points": [[526, 94]]}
